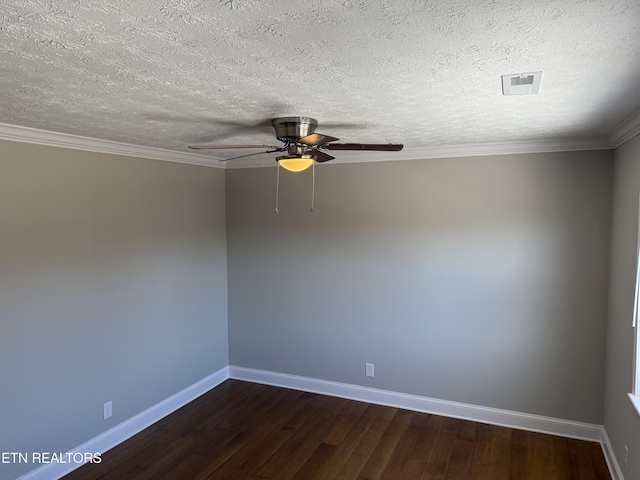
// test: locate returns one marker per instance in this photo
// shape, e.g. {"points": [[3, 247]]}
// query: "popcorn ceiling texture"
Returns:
{"points": [[168, 73]]}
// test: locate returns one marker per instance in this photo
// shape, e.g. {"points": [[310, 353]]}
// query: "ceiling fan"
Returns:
{"points": [[302, 145]]}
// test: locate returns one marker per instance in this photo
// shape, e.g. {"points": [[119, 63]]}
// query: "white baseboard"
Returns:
{"points": [[493, 416], [130, 427], [610, 457]]}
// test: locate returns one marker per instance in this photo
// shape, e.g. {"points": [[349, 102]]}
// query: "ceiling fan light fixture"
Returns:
{"points": [[295, 163]]}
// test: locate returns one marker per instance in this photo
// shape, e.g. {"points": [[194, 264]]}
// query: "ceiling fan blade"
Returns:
{"points": [[317, 139], [380, 147], [251, 155], [228, 147], [320, 156]]}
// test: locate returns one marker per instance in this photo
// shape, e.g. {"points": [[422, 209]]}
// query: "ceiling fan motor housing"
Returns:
{"points": [[291, 129]]}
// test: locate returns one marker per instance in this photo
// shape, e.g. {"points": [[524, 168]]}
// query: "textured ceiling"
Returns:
{"points": [[168, 73]]}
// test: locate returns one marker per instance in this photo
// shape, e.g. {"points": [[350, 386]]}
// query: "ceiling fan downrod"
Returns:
{"points": [[292, 129]]}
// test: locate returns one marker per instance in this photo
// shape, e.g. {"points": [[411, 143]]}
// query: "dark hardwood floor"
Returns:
{"points": [[243, 430]]}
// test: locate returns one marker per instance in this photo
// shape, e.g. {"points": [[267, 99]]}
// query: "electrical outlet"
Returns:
{"points": [[108, 410], [626, 458], [368, 371]]}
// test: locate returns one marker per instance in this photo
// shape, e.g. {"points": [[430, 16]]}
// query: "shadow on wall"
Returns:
{"points": [[480, 280], [113, 288]]}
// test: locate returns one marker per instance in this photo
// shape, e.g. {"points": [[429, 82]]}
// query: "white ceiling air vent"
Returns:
{"points": [[521, 83]]}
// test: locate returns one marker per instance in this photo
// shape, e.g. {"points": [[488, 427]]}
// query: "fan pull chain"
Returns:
{"points": [[313, 184], [277, 186]]}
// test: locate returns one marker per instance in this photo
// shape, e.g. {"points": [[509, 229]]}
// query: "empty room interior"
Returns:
{"points": [[426, 206]]}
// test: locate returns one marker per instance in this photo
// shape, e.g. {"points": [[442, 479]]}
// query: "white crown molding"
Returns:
{"points": [[127, 429], [43, 137], [471, 150], [479, 149], [628, 129], [17, 133]]}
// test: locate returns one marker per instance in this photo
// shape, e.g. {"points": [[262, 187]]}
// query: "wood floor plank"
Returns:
{"points": [[265, 435], [367, 444], [302, 438], [581, 460], [462, 451], [404, 450], [561, 459], [597, 460], [262, 438], [295, 452], [458, 468], [520, 455], [348, 417], [440, 455], [315, 461], [481, 455], [351, 440], [242, 430], [540, 456], [427, 428], [500, 456], [380, 457]]}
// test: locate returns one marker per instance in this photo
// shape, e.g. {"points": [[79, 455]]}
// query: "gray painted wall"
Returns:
{"points": [[112, 287], [481, 280], [620, 419]]}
